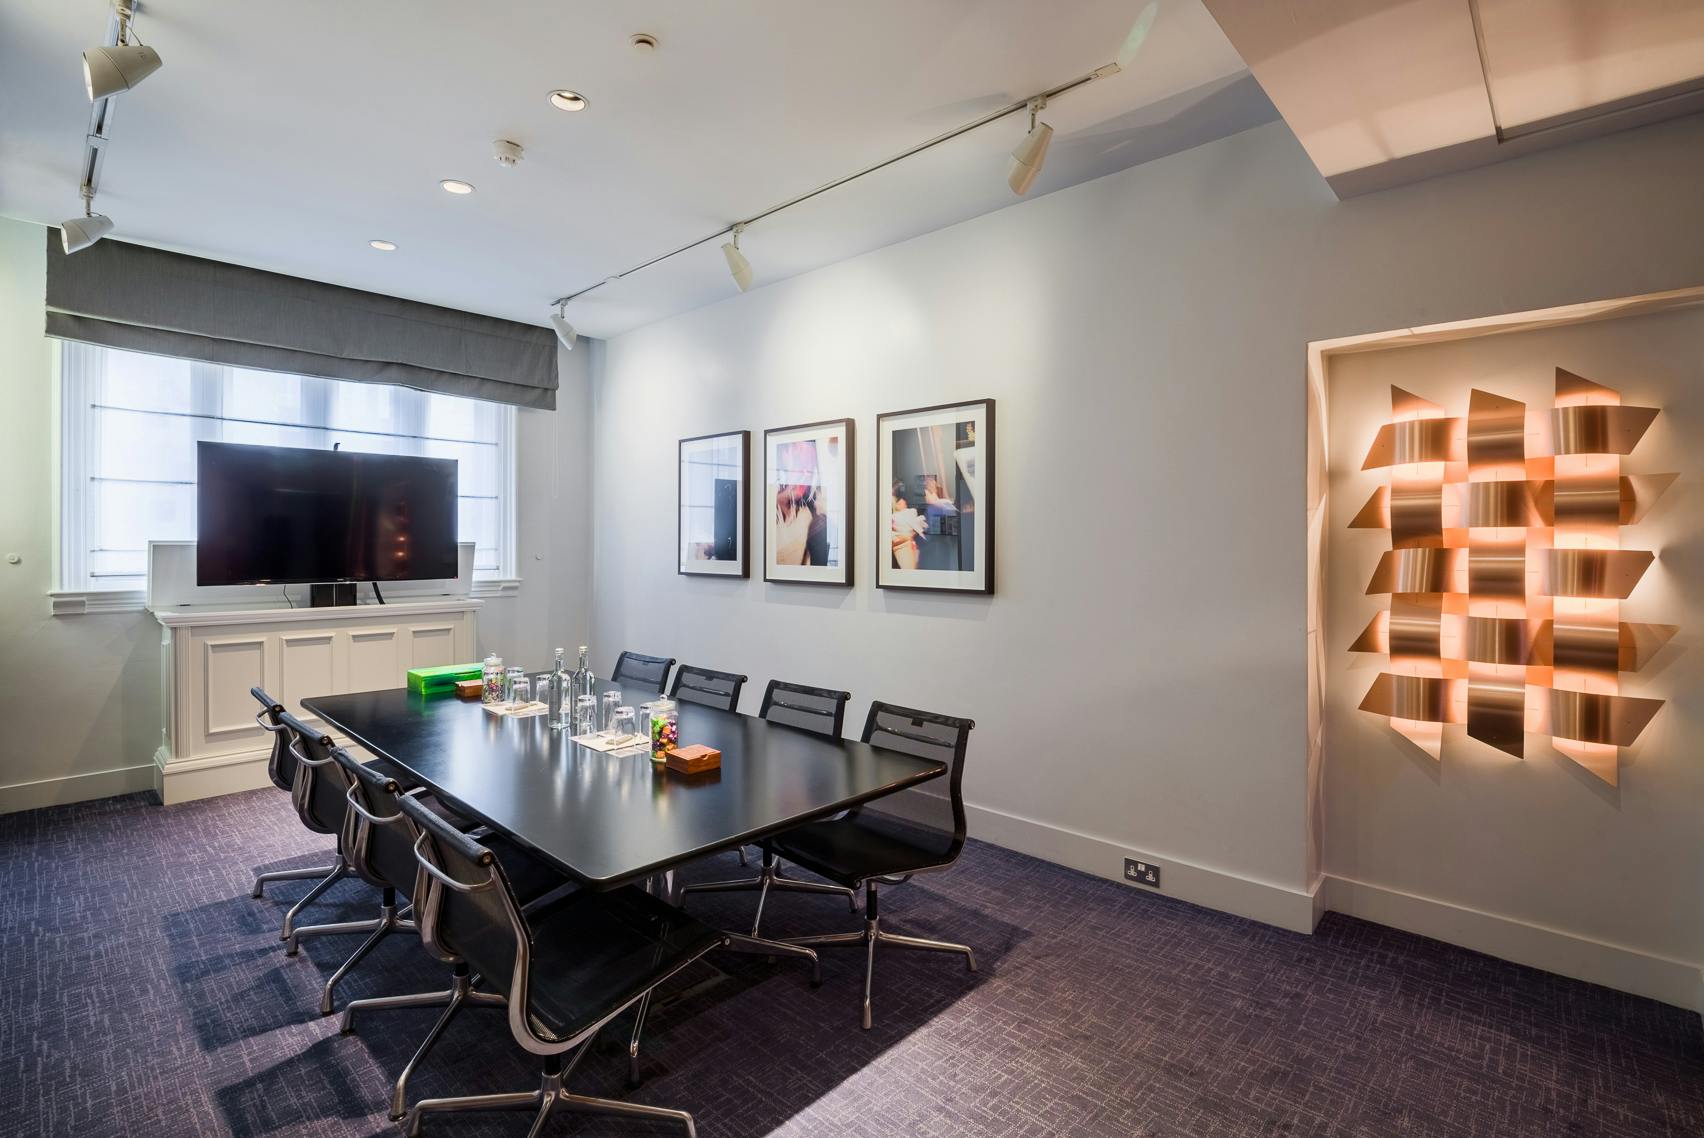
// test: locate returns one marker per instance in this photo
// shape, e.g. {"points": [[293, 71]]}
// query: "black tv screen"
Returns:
{"points": [[281, 515]]}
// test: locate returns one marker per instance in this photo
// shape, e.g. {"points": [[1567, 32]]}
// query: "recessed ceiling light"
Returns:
{"points": [[568, 100], [383, 246], [457, 187]]}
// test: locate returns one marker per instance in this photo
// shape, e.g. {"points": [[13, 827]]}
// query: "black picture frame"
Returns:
{"points": [[977, 580], [848, 528], [741, 498]]}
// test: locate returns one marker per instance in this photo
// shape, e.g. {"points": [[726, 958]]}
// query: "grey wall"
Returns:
{"points": [[1139, 682], [103, 742]]}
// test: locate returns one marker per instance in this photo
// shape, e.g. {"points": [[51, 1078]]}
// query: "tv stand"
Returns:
{"points": [[212, 655]]}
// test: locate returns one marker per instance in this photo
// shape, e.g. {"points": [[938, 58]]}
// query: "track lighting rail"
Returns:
{"points": [[1021, 105]]}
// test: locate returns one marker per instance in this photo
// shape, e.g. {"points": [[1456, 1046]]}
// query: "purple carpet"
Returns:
{"points": [[142, 992]]}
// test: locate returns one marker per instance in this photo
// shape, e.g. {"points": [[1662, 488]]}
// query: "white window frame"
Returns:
{"points": [[77, 373]]}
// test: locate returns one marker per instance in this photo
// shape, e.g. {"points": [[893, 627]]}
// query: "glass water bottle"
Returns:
{"points": [[557, 697], [584, 682]]}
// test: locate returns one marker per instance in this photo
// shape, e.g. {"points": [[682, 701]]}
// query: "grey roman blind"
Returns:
{"points": [[149, 300]]}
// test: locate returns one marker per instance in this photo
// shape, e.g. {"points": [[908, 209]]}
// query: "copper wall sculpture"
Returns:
{"points": [[1506, 572]]}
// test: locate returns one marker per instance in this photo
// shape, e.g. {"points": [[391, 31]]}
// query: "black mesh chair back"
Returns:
{"points": [[466, 909], [321, 789], [818, 710], [378, 838], [281, 764], [720, 690], [927, 735], [648, 672]]}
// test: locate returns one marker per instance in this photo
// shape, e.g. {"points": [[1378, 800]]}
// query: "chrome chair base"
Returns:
{"points": [[735, 942], [460, 993], [769, 878], [549, 1098], [338, 871], [313, 874], [873, 935], [387, 921]]}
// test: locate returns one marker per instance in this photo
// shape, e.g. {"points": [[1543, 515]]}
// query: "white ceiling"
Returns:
{"points": [[1386, 91], [287, 135]]}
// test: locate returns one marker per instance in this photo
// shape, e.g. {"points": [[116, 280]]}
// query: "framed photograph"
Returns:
{"points": [[807, 503], [712, 530], [935, 498]]}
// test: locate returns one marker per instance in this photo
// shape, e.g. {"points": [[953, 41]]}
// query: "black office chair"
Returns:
{"points": [[864, 847], [821, 711], [650, 673], [720, 690], [818, 710], [281, 769], [568, 968], [321, 795], [380, 841]]}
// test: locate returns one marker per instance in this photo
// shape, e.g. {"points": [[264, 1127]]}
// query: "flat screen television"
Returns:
{"points": [[283, 515]]}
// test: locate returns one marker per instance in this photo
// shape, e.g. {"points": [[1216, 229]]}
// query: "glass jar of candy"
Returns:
{"points": [[664, 729], [491, 675]]}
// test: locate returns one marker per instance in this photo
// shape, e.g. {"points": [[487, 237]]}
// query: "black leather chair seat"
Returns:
{"points": [[594, 952], [863, 845]]}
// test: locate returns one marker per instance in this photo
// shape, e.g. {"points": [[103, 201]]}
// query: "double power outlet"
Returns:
{"points": [[1142, 872]]}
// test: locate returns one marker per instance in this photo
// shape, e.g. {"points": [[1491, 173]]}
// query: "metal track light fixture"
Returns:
{"points": [[109, 69], [738, 267], [78, 233], [564, 331], [1031, 152], [1027, 160]]}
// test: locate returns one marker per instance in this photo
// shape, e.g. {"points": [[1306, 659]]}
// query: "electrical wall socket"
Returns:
{"points": [[1142, 872]]}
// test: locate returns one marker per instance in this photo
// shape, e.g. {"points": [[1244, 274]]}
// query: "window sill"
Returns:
{"points": [[67, 602], [72, 602], [486, 587]]}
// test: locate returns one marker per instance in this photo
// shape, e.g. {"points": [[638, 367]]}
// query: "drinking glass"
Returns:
{"points": [[509, 678], [520, 691], [606, 710], [624, 726], [585, 714]]}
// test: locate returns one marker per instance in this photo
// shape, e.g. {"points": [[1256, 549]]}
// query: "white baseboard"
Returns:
{"points": [[75, 788], [183, 780], [1263, 901], [1615, 966], [1625, 969]]}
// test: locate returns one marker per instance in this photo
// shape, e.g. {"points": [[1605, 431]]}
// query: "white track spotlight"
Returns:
{"points": [[737, 263], [79, 233], [1030, 153], [109, 70], [564, 330]]}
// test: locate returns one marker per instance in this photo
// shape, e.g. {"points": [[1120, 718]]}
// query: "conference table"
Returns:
{"points": [[611, 819]]}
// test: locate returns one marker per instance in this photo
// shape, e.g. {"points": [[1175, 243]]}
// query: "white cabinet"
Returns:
{"points": [[213, 657]]}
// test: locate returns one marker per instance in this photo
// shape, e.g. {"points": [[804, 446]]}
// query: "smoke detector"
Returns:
{"points": [[507, 153], [644, 43]]}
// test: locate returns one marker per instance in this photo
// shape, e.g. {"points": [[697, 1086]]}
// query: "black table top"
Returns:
{"points": [[611, 819]]}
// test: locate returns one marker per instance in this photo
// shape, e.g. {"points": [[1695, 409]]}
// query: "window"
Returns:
{"points": [[131, 421]]}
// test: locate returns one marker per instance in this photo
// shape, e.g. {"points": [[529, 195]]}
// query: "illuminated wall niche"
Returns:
{"points": [[1506, 572]]}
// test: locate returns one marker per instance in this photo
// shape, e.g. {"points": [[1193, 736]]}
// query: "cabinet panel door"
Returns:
{"points": [[375, 660], [230, 665], [432, 646], [307, 666]]}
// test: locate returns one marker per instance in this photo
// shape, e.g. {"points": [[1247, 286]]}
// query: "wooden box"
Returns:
{"points": [[694, 759]]}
